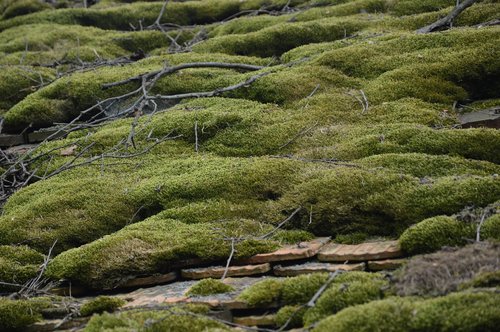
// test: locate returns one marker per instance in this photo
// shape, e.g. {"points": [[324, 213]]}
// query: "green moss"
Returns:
{"points": [[16, 82], [19, 264], [21, 7], [342, 295], [291, 316], [152, 246], [483, 279], [171, 319], [209, 287], [15, 315], [278, 39], [455, 312], [434, 233], [300, 289], [101, 304], [262, 293], [424, 165], [353, 238], [491, 228]]}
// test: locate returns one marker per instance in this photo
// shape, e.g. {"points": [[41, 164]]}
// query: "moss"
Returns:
{"points": [[483, 279], [434, 233], [149, 247], [19, 264], [343, 295], [171, 319], [262, 293], [278, 39], [19, 81], [424, 165], [291, 316], [491, 228], [209, 287], [455, 312], [300, 289], [22, 7], [353, 238], [15, 315], [101, 304]]}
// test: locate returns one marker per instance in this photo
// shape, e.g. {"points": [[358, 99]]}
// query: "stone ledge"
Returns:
{"points": [[299, 251], [334, 252], [232, 271], [307, 268]]}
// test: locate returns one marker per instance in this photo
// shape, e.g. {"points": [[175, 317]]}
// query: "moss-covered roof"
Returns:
{"points": [[343, 118]]}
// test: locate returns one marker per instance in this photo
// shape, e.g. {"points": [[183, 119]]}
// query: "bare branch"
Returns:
{"points": [[447, 21]]}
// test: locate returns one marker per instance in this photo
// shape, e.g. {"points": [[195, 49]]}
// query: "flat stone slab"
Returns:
{"points": [[334, 252], [175, 293], [386, 264], [150, 280], [302, 250], [295, 270], [232, 271], [264, 320], [489, 118]]}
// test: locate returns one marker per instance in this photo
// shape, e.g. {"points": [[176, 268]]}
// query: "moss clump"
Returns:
{"points": [[15, 8], [101, 304], [300, 289], [16, 82], [262, 293], [171, 319], [343, 295], [483, 279], [278, 39], [460, 311], [15, 315], [209, 287], [434, 233], [425, 165], [291, 316], [19, 264], [152, 246]]}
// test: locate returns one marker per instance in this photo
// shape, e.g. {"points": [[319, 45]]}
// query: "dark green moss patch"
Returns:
{"points": [[101, 304], [15, 315], [18, 265], [209, 287]]}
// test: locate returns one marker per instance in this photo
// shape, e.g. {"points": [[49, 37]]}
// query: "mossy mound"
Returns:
{"points": [[209, 287], [13, 8], [434, 233], [151, 246], [15, 315], [459, 311], [18, 265], [171, 319], [101, 304]]}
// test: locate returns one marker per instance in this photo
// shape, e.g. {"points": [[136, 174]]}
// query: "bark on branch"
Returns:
{"points": [[446, 22]]}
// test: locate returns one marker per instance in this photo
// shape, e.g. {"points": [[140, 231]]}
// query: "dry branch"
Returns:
{"points": [[447, 21]]}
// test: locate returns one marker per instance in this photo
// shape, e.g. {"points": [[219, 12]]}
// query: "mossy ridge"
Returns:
{"points": [[276, 40], [101, 304], [343, 200], [48, 43], [172, 319], [454, 312], [296, 290], [209, 286], [70, 209], [13, 8], [435, 233], [16, 82], [351, 142], [15, 315], [151, 246], [424, 165], [19, 264], [120, 17], [65, 98]]}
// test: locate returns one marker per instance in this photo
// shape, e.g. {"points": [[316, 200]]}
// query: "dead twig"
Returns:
{"points": [[447, 21]]}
